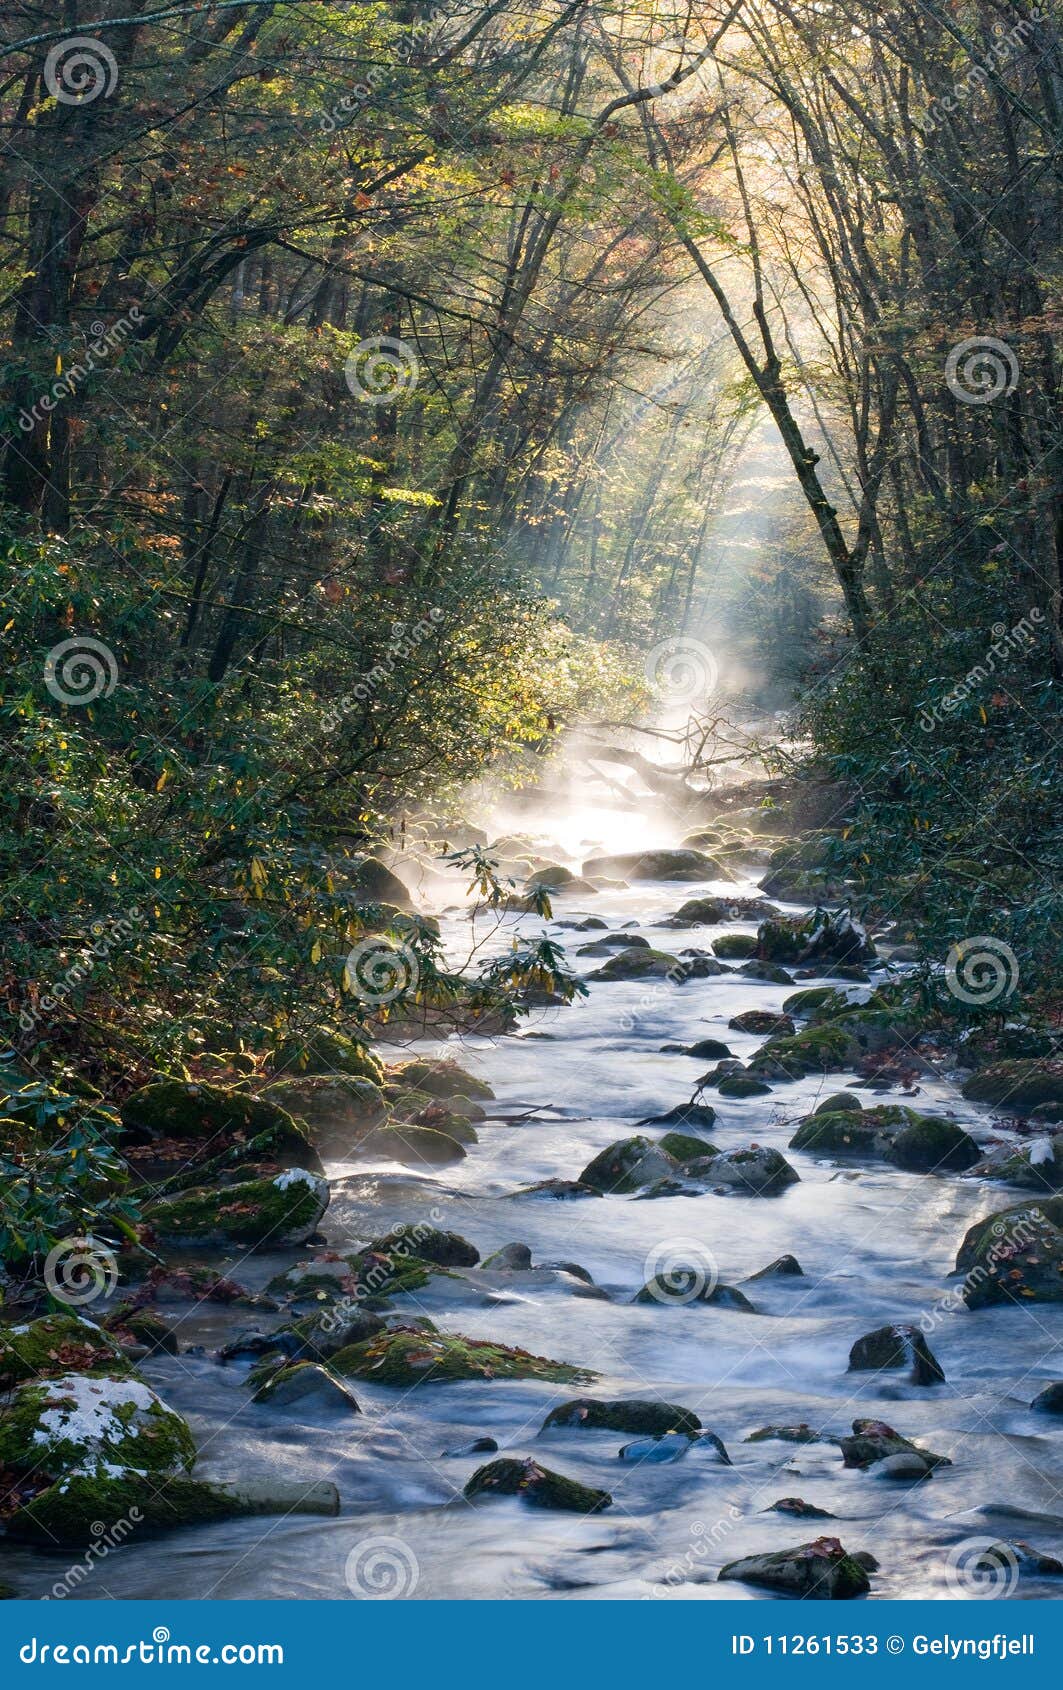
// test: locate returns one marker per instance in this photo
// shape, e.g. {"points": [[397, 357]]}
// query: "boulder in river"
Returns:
{"points": [[92, 1422], [799, 1509], [742, 1085], [56, 1344], [559, 1190], [1036, 1166], [821, 1570], [681, 1285], [336, 1109], [645, 1417], [801, 1433], [734, 947], [411, 1145], [770, 972], [1050, 1399], [839, 1103], [512, 1258], [1014, 1256], [439, 1077], [535, 1485], [659, 865], [377, 884], [700, 1116], [258, 1213], [429, 1244], [783, 1267], [684, 1147], [915, 1142], [1020, 1085], [626, 1166], [67, 1515], [873, 1441], [933, 1144], [758, 1171], [326, 1051], [897, 1346], [639, 963], [213, 1119], [405, 1355], [764, 1023], [674, 1446], [303, 1383], [825, 936]]}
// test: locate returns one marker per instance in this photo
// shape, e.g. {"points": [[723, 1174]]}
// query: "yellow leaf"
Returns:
{"points": [[163, 778], [315, 951]]}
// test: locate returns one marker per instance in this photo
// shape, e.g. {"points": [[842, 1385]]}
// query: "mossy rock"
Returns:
{"points": [[405, 1356], [336, 1109], [628, 1165], [839, 1103], [684, 1147], [742, 1085], [659, 865], [932, 1144], [439, 1077], [327, 1052], [418, 1109], [813, 999], [758, 1171], [816, 1050], [145, 1328], [1035, 1167], [682, 1286], [57, 1344], [215, 1116], [699, 912], [819, 1571], [67, 1514], [85, 1420], [765, 1023], [412, 1146], [1020, 1085], [873, 1441], [535, 1485], [649, 1418], [734, 946], [825, 936], [770, 972], [445, 1249], [302, 1382], [842, 1133], [257, 1213], [1015, 1256], [639, 963]]}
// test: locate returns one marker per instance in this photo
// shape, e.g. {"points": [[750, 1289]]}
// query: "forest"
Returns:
{"points": [[468, 471]]}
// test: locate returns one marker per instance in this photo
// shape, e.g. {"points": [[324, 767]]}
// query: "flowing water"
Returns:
{"points": [[876, 1245]]}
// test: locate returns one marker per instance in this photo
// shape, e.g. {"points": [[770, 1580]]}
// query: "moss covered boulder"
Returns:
{"points": [[742, 1085], [757, 1172], [85, 1421], [639, 963], [634, 1414], [445, 1249], [439, 1078], [412, 1145], [932, 1144], [815, 1050], [1035, 1167], [764, 1023], [305, 1384], [1017, 1086], [214, 1118], [258, 1214], [56, 1344], [67, 1515], [406, 1356], [734, 947], [825, 937], [1015, 1256], [325, 1051], [819, 1571], [628, 1165], [818, 1001], [659, 865], [890, 1348], [535, 1485], [684, 1147], [337, 1110]]}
